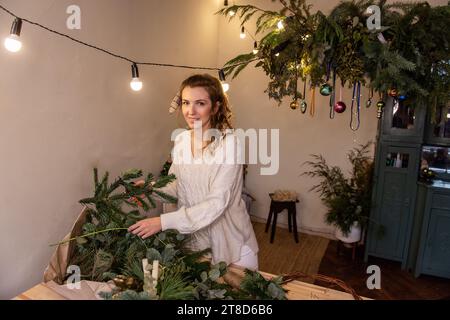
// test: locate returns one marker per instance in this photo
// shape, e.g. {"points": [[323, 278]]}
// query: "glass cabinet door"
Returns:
{"points": [[403, 115], [438, 127], [403, 120], [395, 199]]}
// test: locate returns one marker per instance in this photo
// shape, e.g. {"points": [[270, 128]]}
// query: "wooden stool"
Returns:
{"points": [[277, 207], [352, 245]]}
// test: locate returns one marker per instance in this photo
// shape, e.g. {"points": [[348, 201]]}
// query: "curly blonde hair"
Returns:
{"points": [[221, 119]]}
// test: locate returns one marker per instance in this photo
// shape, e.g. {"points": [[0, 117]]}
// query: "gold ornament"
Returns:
{"points": [[125, 283]]}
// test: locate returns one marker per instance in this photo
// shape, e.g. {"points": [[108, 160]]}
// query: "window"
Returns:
{"points": [[403, 116]]}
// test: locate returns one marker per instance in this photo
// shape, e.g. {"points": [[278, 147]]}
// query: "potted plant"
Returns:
{"points": [[348, 199]]}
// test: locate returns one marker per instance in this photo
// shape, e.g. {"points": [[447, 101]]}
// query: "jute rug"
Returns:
{"points": [[284, 256]]}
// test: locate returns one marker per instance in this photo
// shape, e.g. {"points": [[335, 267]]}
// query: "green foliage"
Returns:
{"points": [[414, 58], [347, 199], [106, 250], [174, 283], [105, 246], [256, 286]]}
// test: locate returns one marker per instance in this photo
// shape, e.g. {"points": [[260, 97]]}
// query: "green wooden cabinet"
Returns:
{"points": [[394, 199], [397, 163], [414, 217], [433, 246]]}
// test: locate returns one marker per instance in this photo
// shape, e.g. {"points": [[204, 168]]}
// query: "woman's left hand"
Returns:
{"points": [[146, 228]]}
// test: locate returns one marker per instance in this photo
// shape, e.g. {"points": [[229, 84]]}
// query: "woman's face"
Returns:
{"points": [[196, 106]]}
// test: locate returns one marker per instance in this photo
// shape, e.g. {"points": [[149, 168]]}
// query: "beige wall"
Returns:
{"points": [[65, 109]]}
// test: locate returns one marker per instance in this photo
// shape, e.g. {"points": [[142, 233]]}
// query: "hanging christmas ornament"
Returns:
{"points": [[326, 89], [340, 106], [369, 100], [333, 96], [312, 110], [355, 113], [294, 104], [393, 92], [380, 108], [304, 105]]}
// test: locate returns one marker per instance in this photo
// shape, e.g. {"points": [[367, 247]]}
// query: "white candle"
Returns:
{"points": [[155, 269], [144, 265]]}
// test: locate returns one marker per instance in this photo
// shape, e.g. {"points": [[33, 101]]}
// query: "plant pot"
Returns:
{"points": [[353, 236]]}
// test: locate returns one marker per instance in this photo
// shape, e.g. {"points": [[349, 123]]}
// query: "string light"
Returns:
{"points": [[225, 85], [136, 83], [280, 25], [255, 48], [231, 13], [243, 35], [12, 42]]}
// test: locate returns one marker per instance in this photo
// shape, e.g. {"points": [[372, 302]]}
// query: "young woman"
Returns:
{"points": [[210, 204]]}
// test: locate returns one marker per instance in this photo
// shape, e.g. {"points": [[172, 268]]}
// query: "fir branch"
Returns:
{"points": [[88, 235]]}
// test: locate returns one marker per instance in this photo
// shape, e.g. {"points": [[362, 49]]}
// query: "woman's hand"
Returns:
{"points": [[146, 228], [139, 183]]}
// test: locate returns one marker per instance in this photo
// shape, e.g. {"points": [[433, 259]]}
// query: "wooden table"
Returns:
{"points": [[297, 290], [39, 292]]}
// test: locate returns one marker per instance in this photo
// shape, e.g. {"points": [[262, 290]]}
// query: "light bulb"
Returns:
{"points": [[136, 83], [280, 25], [255, 48], [231, 13], [277, 54], [243, 35], [225, 86], [13, 43]]}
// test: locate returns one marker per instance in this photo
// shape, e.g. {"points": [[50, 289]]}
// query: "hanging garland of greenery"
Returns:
{"points": [[410, 53]]}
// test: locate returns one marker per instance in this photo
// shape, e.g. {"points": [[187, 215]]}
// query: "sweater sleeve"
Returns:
{"points": [[194, 218]]}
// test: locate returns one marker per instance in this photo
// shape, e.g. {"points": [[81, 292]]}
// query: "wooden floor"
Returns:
{"points": [[319, 255], [284, 256], [395, 283]]}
